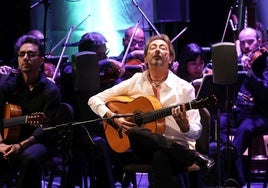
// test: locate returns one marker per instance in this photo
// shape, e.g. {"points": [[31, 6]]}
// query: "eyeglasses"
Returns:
{"points": [[135, 42], [30, 54]]}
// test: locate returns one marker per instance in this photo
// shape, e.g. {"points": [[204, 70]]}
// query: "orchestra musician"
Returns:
{"points": [[133, 43], [192, 67], [30, 92], [94, 42], [48, 68], [251, 111]]}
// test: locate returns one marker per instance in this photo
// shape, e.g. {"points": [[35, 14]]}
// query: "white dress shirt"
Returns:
{"points": [[174, 90]]}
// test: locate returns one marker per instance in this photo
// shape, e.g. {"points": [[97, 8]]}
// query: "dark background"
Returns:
{"points": [[206, 24]]}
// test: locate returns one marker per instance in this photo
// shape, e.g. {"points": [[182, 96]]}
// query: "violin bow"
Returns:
{"points": [[129, 44], [177, 36], [62, 53], [58, 44]]}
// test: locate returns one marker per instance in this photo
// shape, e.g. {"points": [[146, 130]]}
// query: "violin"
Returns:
{"points": [[132, 66], [260, 52], [258, 60]]}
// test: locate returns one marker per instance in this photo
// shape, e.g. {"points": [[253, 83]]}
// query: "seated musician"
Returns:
{"points": [[36, 99], [251, 104], [95, 42], [103, 175], [192, 67], [193, 64], [133, 52], [171, 148]]}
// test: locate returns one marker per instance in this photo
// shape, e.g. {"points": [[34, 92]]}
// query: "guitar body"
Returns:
{"points": [[13, 120], [118, 138], [11, 134], [146, 112]]}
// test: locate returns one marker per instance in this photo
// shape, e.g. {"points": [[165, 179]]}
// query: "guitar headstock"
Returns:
{"points": [[36, 119], [204, 102]]}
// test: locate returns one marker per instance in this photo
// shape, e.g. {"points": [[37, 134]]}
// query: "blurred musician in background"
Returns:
{"points": [[48, 68], [136, 46], [133, 43], [38, 34], [193, 65], [96, 42], [93, 42]]}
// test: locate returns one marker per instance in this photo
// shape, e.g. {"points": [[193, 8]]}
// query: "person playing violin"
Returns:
{"points": [[136, 46], [251, 105], [32, 92], [134, 54], [110, 68], [94, 42]]}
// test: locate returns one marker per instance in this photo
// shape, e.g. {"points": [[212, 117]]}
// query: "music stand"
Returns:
{"points": [[225, 84]]}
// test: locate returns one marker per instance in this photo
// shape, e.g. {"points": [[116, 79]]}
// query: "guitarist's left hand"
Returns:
{"points": [[179, 114]]}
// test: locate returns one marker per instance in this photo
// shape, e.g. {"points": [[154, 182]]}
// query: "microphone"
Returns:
{"points": [[71, 44]]}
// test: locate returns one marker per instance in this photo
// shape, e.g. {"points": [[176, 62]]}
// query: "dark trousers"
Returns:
{"points": [[168, 159], [27, 167]]}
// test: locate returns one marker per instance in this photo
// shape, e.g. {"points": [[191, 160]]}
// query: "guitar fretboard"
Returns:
{"points": [[13, 121]]}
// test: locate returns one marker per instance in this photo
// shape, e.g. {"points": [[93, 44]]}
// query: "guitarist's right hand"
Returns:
{"points": [[121, 122], [10, 151], [4, 72]]}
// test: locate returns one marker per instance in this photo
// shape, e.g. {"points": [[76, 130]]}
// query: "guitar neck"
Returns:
{"points": [[11, 122], [148, 117]]}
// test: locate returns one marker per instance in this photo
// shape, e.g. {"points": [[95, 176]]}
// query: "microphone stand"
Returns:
{"points": [[146, 18], [87, 121]]}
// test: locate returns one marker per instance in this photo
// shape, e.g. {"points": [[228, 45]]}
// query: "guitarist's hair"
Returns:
{"points": [[29, 39], [165, 38]]}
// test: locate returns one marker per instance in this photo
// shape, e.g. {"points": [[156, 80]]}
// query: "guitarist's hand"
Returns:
{"points": [[179, 114], [4, 148], [121, 122], [124, 124], [10, 151]]}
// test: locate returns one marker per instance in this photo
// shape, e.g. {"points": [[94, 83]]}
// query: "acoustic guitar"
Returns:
{"points": [[13, 120], [145, 111]]}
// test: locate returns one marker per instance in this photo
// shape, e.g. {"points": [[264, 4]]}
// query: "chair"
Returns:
{"points": [[257, 152], [60, 161]]}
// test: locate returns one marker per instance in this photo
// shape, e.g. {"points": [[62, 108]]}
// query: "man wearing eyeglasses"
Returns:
{"points": [[38, 100], [132, 55]]}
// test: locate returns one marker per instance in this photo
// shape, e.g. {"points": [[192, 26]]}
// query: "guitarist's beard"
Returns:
{"points": [[156, 62]]}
